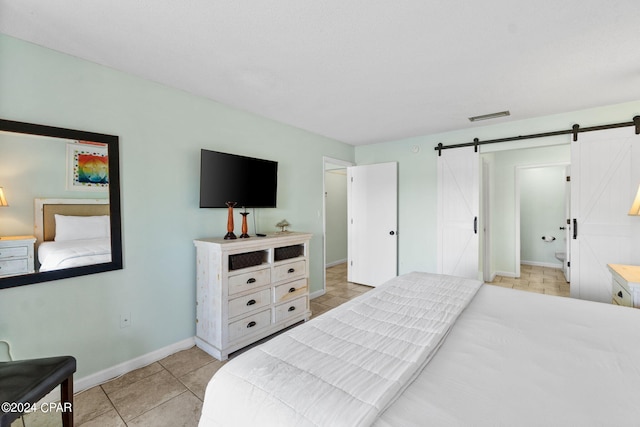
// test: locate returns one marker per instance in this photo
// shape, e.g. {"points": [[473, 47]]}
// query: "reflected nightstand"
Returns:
{"points": [[16, 255]]}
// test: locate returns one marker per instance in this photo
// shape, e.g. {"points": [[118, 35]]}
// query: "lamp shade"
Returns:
{"points": [[635, 207], [3, 200]]}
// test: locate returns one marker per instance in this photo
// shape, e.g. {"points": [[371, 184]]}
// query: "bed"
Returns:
{"points": [[426, 349], [72, 232]]}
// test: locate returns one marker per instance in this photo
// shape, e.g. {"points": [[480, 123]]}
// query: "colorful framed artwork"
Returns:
{"points": [[87, 166]]}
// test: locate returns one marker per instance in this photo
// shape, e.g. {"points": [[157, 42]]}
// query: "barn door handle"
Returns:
{"points": [[475, 225], [575, 228]]}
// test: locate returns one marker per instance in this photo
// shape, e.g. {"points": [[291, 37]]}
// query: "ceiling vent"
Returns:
{"points": [[489, 116]]}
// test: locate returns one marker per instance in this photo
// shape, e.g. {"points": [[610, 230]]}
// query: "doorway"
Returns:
{"points": [[334, 210], [541, 209]]}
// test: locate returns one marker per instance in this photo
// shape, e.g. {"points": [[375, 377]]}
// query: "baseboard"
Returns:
{"points": [[334, 263], [504, 274], [542, 264], [120, 369], [317, 294]]}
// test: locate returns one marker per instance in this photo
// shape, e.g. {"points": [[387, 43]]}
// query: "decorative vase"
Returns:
{"points": [[230, 234], [245, 229]]}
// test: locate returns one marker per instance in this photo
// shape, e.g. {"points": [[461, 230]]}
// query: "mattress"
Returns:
{"points": [[510, 358]]}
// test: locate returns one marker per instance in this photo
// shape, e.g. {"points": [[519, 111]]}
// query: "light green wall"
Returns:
{"points": [[161, 133], [336, 215], [417, 238]]}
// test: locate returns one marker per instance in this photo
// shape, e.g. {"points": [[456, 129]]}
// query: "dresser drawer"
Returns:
{"points": [[249, 325], [292, 270], [246, 281], [620, 295], [247, 303], [289, 291], [14, 252], [291, 309], [14, 266]]}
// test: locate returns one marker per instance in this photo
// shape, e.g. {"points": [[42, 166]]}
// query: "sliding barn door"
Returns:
{"points": [[372, 210], [605, 173], [458, 207]]}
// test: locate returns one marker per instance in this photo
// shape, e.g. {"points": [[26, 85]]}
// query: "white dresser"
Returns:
{"points": [[16, 255], [248, 289], [625, 288]]}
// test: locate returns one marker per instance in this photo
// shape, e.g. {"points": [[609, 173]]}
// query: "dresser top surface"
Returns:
{"points": [[630, 273], [291, 235]]}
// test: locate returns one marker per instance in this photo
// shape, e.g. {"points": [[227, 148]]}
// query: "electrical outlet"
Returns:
{"points": [[125, 320]]}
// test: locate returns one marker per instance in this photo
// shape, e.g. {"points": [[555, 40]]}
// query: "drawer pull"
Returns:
{"points": [[620, 294], [251, 324], [251, 302], [291, 270], [292, 290], [252, 280], [292, 308]]}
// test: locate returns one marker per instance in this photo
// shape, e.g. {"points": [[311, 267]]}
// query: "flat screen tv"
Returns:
{"points": [[249, 182]]}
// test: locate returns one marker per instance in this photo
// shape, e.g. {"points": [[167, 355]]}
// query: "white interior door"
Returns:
{"points": [[372, 193], [458, 207], [604, 176], [566, 265]]}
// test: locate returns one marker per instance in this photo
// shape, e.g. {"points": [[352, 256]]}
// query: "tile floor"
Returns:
{"points": [[169, 392], [542, 280]]}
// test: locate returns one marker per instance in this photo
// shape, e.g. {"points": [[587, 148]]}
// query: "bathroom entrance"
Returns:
{"points": [[542, 210]]}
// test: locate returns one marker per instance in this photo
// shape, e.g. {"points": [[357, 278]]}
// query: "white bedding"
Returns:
{"points": [[73, 253], [512, 358], [344, 367], [517, 358]]}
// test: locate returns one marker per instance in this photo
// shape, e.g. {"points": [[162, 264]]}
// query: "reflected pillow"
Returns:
{"points": [[81, 227]]}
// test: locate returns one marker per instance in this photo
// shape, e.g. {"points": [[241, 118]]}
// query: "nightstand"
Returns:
{"points": [[16, 255], [626, 285]]}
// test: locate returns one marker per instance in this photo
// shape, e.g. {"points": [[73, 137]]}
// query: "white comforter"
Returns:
{"points": [[73, 253], [332, 372], [522, 359]]}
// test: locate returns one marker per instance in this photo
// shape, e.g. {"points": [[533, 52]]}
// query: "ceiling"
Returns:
{"points": [[359, 71]]}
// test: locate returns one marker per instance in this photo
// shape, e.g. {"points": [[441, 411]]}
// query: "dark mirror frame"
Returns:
{"points": [[114, 203]]}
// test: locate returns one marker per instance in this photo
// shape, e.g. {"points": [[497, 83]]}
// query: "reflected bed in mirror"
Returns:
{"points": [[63, 215]]}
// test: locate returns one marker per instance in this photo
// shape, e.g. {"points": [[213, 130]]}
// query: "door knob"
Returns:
{"points": [[392, 233]]}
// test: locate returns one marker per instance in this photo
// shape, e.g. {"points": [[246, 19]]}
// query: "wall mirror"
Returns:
{"points": [[59, 203]]}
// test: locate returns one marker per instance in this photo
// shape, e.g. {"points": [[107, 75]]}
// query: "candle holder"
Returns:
{"points": [[245, 228], [230, 235]]}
